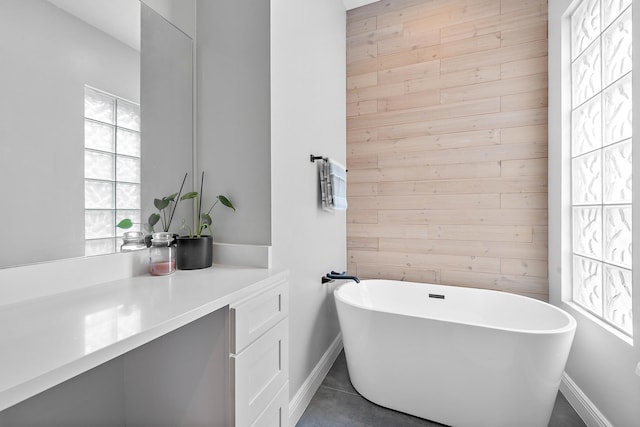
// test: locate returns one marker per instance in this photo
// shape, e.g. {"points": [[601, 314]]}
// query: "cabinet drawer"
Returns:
{"points": [[255, 316], [259, 372], [277, 412]]}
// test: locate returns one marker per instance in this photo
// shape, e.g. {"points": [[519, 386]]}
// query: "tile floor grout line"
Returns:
{"points": [[341, 391]]}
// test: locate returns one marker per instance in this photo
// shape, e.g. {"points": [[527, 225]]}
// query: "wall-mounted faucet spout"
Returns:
{"points": [[341, 276]]}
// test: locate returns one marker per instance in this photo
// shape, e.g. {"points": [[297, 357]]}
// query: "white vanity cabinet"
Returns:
{"points": [[259, 358], [196, 348]]}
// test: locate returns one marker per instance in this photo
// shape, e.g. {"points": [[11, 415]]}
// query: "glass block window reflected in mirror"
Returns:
{"points": [[601, 149], [111, 169]]}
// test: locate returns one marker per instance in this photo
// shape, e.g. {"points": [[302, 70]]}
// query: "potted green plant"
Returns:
{"points": [[195, 250]]}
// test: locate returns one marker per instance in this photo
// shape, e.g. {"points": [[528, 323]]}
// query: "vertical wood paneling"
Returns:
{"points": [[447, 143]]}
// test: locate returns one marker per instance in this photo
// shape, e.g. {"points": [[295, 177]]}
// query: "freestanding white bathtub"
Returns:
{"points": [[458, 356]]}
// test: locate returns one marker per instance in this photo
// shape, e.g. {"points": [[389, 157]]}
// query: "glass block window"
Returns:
{"points": [[601, 149], [111, 169]]}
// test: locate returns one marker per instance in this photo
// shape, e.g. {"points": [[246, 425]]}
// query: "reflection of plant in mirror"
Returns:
{"points": [[125, 223], [170, 202], [203, 221], [167, 203]]}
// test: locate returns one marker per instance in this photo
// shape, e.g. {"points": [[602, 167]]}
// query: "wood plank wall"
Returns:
{"points": [[447, 143]]}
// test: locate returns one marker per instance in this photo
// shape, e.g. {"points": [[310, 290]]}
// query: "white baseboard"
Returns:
{"points": [[305, 393], [585, 408]]}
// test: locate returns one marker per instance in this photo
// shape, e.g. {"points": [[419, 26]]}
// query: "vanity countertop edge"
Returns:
{"points": [[48, 340]]}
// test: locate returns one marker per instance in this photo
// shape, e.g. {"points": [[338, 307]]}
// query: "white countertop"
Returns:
{"points": [[48, 340]]}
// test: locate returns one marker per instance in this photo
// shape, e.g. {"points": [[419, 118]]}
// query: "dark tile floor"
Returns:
{"points": [[338, 404]]}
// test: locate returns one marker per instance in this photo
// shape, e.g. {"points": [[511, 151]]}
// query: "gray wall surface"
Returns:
{"points": [[233, 116], [166, 94]]}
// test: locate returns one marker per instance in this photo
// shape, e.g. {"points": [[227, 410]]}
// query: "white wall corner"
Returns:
{"points": [[585, 408], [352, 4], [305, 393]]}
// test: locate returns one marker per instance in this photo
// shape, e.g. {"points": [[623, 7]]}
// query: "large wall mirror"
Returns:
{"points": [[84, 81]]}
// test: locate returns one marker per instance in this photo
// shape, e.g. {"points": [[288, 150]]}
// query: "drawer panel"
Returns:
{"points": [[255, 316], [259, 372], [277, 412]]}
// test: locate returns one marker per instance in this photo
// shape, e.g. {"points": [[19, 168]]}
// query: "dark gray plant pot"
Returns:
{"points": [[194, 253]]}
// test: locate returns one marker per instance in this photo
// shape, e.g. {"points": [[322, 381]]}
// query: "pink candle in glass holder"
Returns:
{"points": [[162, 268], [162, 260]]}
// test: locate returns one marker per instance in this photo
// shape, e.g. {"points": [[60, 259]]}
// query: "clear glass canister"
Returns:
{"points": [[162, 254], [132, 241]]}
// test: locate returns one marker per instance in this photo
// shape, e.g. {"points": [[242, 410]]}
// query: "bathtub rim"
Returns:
{"points": [[570, 327]]}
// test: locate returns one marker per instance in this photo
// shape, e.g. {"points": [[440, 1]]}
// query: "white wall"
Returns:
{"points": [[307, 117], [352, 4], [601, 364]]}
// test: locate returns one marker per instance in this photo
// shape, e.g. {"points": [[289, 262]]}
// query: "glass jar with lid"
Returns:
{"points": [[162, 254], [132, 241]]}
